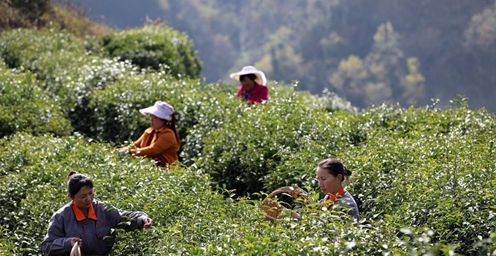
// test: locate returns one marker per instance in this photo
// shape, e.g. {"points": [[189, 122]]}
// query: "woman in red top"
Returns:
{"points": [[161, 140], [253, 84]]}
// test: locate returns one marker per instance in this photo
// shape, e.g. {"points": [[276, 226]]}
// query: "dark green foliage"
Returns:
{"points": [[153, 46], [59, 61], [66, 69]]}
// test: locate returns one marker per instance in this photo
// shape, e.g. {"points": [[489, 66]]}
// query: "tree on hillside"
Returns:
{"points": [[305, 47], [306, 39], [480, 43], [385, 75], [22, 13]]}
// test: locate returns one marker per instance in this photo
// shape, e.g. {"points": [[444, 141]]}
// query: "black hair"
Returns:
{"points": [[70, 174], [172, 125], [76, 181], [252, 77], [335, 167]]}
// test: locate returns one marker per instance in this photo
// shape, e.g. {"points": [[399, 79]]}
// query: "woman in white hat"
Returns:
{"points": [[161, 140], [253, 84]]}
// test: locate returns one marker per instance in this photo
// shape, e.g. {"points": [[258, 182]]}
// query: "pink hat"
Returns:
{"points": [[160, 109]]}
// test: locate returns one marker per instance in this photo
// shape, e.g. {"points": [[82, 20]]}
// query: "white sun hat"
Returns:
{"points": [[160, 109], [250, 70]]}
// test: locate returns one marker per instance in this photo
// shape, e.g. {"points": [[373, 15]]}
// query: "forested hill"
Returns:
{"points": [[366, 51]]}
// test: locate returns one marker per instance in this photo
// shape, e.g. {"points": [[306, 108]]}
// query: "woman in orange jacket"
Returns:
{"points": [[161, 140]]}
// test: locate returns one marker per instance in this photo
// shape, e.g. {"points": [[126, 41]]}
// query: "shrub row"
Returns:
{"points": [[189, 217], [24, 106], [154, 46], [75, 73], [417, 167]]}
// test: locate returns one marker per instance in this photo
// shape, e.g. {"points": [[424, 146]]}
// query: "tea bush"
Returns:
{"points": [[64, 70], [421, 167], [116, 106], [427, 167], [23, 47], [26, 107], [154, 45], [79, 82], [249, 152], [329, 101], [70, 69], [406, 207], [189, 218]]}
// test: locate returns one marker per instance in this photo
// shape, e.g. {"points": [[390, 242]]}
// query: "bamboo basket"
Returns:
{"points": [[273, 209]]}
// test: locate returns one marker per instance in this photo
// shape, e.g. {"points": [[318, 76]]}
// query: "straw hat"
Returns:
{"points": [[160, 109], [250, 70]]}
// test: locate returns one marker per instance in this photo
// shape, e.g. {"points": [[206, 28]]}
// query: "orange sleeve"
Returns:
{"points": [[164, 141], [138, 142]]}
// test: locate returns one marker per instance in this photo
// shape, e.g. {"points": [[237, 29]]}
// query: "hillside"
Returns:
{"points": [[42, 13], [423, 177], [430, 49]]}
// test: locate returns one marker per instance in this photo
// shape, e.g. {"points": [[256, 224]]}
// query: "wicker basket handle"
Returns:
{"points": [[272, 209]]}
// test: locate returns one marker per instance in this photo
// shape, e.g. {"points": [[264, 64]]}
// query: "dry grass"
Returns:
{"points": [[72, 19], [61, 16], [10, 17]]}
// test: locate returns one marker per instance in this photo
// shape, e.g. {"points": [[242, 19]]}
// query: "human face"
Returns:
{"points": [[247, 84], [156, 122], [84, 197], [328, 183]]}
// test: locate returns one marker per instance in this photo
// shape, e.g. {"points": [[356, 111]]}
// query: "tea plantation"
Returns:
{"points": [[424, 176]]}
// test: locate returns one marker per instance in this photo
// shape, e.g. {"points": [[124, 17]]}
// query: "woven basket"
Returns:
{"points": [[272, 208]]}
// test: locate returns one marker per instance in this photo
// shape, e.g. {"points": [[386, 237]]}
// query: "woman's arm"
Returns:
{"points": [[126, 150], [264, 93], [138, 142], [128, 220], [240, 92], [165, 140], [55, 242]]}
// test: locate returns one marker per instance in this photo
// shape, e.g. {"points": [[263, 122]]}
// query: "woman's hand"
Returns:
{"points": [[147, 222], [295, 191], [295, 215], [75, 240], [123, 151]]}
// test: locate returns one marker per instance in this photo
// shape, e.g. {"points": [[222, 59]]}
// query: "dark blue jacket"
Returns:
{"points": [[96, 235]]}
